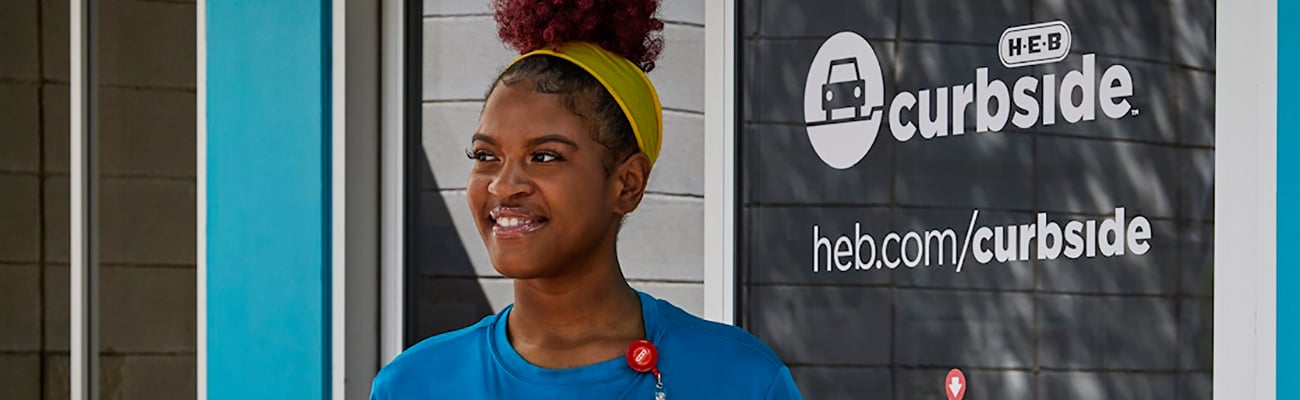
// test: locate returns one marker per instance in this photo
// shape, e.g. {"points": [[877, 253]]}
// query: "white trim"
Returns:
{"points": [[392, 174], [338, 199], [1245, 235], [83, 272], [719, 161], [201, 197]]}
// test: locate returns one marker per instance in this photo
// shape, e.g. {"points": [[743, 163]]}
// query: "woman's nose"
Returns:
{"points": [[511, 181]]}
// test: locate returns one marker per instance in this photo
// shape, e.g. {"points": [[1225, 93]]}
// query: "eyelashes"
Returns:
{"points": [[541, 157], [479, 155]]}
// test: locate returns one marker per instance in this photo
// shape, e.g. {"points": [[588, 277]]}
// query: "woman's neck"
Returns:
{"points": [[570, 321]]}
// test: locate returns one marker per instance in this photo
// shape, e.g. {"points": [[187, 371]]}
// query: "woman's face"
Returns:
{"points": [[539, 191]]}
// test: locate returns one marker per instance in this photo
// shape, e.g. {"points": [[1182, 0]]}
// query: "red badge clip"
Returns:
{"points": [[642, 356]]}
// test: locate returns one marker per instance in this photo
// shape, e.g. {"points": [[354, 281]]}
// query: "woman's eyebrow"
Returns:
{"points": [[552, 138], [479, 137]]}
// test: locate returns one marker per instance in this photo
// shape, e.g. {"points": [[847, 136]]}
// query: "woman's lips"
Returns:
{"points": [[513, 222], [508, 228]]}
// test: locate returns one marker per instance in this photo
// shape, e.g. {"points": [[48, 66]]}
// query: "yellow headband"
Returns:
{"points": [[625, 81]]}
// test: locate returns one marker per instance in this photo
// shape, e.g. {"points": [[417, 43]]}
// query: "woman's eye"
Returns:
{"points": [[544, 157], [480, 155]]}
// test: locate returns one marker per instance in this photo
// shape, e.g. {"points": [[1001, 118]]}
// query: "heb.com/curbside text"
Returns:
{"points": [[1042, 239]]}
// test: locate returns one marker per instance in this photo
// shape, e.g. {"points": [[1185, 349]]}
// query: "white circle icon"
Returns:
{"points": [[843, 100]]}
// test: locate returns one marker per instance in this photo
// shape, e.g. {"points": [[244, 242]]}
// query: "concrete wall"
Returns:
{"points": [[455, 282], [147, 187]]}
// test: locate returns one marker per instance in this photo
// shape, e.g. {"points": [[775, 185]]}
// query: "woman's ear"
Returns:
{"points": [[631, 178]]}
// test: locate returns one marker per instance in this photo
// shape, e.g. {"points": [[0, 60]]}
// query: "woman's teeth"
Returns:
{"points": [[512, 222]]}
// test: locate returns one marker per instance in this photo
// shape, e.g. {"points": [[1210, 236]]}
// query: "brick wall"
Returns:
{"points": [[147, 174]]}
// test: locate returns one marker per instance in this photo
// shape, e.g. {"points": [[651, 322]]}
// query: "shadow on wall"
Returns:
{"points": [[443, 291]]}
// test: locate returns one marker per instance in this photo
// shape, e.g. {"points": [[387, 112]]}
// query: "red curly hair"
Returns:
{"points": [[628, 28]]}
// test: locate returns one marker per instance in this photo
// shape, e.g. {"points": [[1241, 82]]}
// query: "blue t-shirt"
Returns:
{"points": [[698, 359]]}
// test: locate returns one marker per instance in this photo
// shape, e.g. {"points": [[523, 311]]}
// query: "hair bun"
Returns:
{"points": [[628, 28]]}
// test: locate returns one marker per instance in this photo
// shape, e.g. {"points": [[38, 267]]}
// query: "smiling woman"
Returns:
{"points": [[562, 153]]}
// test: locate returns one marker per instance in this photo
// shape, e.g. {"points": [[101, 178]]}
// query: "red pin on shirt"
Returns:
{"points": [[642, 356], [955, 384]]}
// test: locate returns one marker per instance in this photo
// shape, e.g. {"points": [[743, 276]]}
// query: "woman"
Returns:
{"points": [[562, 153]]}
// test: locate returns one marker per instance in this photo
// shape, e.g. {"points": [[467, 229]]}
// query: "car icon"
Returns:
{"points": [[844, 94]]}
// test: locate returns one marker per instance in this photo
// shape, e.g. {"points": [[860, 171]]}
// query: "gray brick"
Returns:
{"points": [[18, 27], [1196, 106], [822, 325], [927, 384], [982, 170], [1139, 29], [1196, 334], [461, 57], [143, 132], [688, 11], [679, 74], [55, 215], [1196, 195], [55, 48], [995, 275], [748, 23], [58, 377], [781, 167], [110, 375], [1196, 253], [681, 158], [147, 222], [962, 21], [1151, 273], [970, 329], [22, 376], [1140, 177], [1195, 386], [686, 296], [1097, 332], [152, 377], [446, 304], [777, 244], [450, 244], [664, 223], [147, 44], [20, 209], [818, 382], [147, 132], [792, 18], [20, 141], [1159, 115], [1194, 32], [456, 7], [20, 308], [147, 309], [1105, 385], [55, 127], [445, 133], [58, 312]]}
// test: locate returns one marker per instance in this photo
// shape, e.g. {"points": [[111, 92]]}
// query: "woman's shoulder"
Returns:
{"points": [[434, 352], [715, 340]]}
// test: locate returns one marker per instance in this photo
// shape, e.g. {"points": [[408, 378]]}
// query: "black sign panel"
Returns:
{"points": [[980, 199]]}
